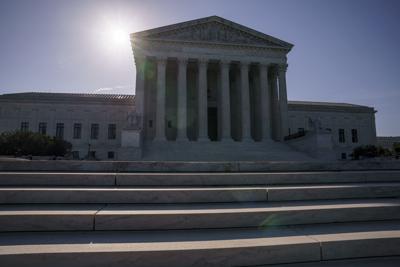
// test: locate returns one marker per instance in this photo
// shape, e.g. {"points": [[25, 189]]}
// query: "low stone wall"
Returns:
{"points": [[181, 166]]}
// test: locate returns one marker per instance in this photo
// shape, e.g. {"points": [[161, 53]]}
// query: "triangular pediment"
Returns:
{"points": [[212, 30]]}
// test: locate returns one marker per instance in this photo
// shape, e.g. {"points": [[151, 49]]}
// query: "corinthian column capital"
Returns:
{"points": [[225, 62], [161, 60], [282, 67], [139, 59], [203, 60], [182, 60], [245, 63]]}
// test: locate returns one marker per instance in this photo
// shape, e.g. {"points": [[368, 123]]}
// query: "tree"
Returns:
{"points": [[20, 143], [370, 151], [396, 149]]}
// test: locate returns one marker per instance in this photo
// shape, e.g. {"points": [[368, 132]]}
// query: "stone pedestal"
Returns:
{"points": [[131, 138], [317, 144], [131, 145]]}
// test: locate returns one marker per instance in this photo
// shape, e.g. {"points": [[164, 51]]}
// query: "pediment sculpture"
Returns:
{"points": [[212, 32]]}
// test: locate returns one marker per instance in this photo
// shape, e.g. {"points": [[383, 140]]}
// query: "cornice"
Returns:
{"points": [[324, 108], [204, 44]]}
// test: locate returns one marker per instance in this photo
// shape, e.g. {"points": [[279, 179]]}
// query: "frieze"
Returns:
{"points": [[205, 48]]}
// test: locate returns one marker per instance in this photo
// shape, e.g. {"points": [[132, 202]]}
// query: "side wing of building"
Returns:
{"points": [[93, 123], [90, 122], [351, 125]]}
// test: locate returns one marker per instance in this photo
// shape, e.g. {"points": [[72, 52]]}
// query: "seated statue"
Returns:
{"points": [[133, 121]]}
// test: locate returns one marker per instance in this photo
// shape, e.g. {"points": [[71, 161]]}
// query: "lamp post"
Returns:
{"points": [[88, 153]]}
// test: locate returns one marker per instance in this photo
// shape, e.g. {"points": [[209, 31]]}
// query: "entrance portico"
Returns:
{"points": [[211, 80]]}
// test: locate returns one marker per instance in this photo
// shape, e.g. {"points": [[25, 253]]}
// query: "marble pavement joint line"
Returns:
{"points": [[95, 215], [320, 245]]}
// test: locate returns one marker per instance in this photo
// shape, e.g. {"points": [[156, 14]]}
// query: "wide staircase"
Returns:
{"points": [[221, 151], [188, 218]]}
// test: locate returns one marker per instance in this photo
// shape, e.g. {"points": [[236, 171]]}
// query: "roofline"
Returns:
{"points": [[330, 106], [145, 33], [44, 97]]}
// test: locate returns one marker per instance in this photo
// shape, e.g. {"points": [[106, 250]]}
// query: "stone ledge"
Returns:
{"points": [[184, 166]]}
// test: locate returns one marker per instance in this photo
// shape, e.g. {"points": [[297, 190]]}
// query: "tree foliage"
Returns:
{"points": [[370, 151], [20, 143], [396, 148]]}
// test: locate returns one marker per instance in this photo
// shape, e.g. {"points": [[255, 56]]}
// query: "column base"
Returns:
{"points": [[226, 140], [247, 140], [159, 139], [182, 140], [203, 139]]}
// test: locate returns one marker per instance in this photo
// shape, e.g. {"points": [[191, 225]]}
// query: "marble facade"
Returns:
{"points": [[211, 79]]}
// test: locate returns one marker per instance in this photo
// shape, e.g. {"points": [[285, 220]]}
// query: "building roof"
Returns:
{"points": [[329, 106], [69, 98], [151, 33]]}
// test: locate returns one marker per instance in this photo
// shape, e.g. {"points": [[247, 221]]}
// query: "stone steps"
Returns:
{"points": [[221, 151], [363, 262], [83, 217], [147, 195], [193, 179], [175, 215], [229, 247]]}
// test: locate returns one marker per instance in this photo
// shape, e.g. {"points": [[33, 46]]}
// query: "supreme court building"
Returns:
{"points": [[206, 89], [211, 79]]}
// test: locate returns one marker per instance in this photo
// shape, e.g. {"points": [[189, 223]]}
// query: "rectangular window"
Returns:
{"points": [[112, 131], [354, 135], [60, 130], [75, 154], [110, 154], [169, 124], [77, 130], [43, 128], [150, 123], [94, 131], [24, 126], [300, 130], [344, 156], [342, 138]]}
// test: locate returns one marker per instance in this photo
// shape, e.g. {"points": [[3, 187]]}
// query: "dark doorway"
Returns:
{"points": [[213, 124]]}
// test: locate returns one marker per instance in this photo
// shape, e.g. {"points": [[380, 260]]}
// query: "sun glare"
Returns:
{"points": [[118, 36], [114, 36]]}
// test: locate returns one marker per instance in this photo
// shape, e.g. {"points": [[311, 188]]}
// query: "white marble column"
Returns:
{"points": [[182, 100], [202, 98], [265, 102], [225, 102], [160, 109], [139, 93], [276, 118], [245, 101], [283, 105]]}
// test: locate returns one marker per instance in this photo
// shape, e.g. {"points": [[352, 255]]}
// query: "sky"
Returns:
{"points": [[344, 50]]}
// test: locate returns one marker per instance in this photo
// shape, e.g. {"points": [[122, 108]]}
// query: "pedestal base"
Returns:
{"points": [[131, 145], [131, 138], [129, 153]]}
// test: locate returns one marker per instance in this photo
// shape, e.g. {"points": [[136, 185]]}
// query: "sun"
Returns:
{"points": [[118, 37], [114, 37]]}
